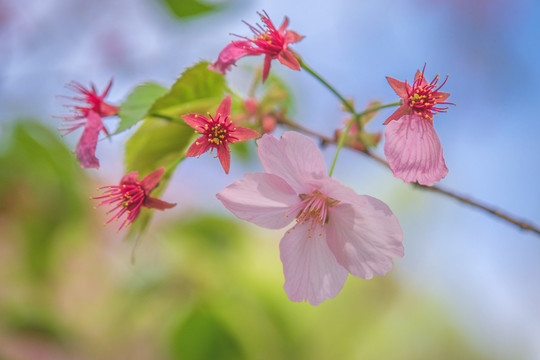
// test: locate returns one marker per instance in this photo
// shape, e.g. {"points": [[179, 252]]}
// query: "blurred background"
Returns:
{"points": [[206, 286]]}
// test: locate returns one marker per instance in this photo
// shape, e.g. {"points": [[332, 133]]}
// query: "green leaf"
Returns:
{"points": [[137, 104], [156, 143], [184, 9], [198, 90]]}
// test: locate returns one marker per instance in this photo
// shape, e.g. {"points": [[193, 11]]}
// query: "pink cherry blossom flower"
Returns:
{"points": [[272, 42], [412, 147], [217, 133], [89, 116], [336, 231], [132, 194]]}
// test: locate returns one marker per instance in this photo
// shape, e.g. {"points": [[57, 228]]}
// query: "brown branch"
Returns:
{"points": [[328, 140]]}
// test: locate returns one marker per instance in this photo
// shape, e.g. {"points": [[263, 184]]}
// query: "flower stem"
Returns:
{"points": [[344, 133], [345, 103], [348, 105]]}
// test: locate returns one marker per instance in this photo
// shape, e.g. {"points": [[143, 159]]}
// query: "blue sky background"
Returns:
{"points": [[484, 270]]}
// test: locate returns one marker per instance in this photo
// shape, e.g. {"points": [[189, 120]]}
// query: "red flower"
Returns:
{"points": [[217, 133], [272, 42], [422, 98], [88, 116], [131, 195]]}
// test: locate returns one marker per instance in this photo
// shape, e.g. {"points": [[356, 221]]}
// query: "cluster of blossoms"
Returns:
{"points": [[335, 231]]}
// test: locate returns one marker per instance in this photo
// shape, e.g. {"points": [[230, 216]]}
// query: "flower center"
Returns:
{"points": [[425, 100], [218, 132], [315, 209]]}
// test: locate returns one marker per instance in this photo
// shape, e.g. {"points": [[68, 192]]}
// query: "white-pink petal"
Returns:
{"points": [[294, 157], [364, 235], [310, 268], [264, 199], [413, 150]]}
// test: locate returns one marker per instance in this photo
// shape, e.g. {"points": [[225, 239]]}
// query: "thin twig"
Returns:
{"points": [[466, 200]]}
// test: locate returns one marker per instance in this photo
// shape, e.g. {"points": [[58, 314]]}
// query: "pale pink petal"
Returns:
{"points": [[399, 113], [399, 87], [266, 67], [224, 155], [310, 268], [287, 58], [150, 181], [364, 235], [230, 54], [195, 120], [292, 37], [413, 150], [154, 203], [86, 147], [264, 199], [224, 108], [242, 133], [292, 157], [201, 145]]}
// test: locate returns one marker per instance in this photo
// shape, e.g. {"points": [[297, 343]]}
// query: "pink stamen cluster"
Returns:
{"points": [[424, 97], [92, 101], [218, 130], [131, 195], [127, 199], [315, 209], [269, 41]]}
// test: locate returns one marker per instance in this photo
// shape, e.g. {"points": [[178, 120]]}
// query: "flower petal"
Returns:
{"points": [[413, 150], [287, 58], [224, 155], [150, 181], [263, 199], [230, 54], [364, 235], [399, 87], [419, 75], [399, 113], [154, 203], [293, 157], [310, 268], [266, 67], [130, 178], [292, 37], [201, 145], [283, 25], [442, 96], [86, 147], [195, 120], [224, 108], [242, 133]]}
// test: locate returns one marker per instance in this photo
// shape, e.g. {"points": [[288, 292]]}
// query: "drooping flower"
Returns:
{"points": [[272, 42], [336, 231], [412, 147], [88, 115], [131, 195], [217, 133]]}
